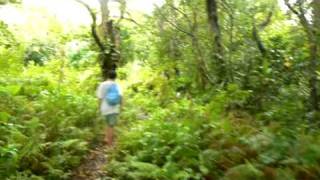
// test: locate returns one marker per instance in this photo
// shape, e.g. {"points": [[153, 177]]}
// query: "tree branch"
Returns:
{"points": [[174, 25], [256, 30], [257, 38], [180, 11], [267, 21], [93, 26], [130, 19], [300, 14], [291, 7]]}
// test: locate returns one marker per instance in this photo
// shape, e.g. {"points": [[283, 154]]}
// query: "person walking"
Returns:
{"points": [[110, 101]]}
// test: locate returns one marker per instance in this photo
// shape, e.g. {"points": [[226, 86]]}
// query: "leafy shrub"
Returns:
{"points": [[287, 108], [45, 128], [39, 52], [184, 140]]}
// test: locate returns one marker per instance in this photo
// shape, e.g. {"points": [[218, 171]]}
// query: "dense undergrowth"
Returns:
{"points": [[46, 126], [244, 108], [183, 138]]}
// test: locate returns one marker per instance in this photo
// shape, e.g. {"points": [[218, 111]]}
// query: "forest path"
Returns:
{"points": [[91, 167]]}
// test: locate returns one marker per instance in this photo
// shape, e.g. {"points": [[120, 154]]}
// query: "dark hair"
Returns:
{"points": [[112, 74]]}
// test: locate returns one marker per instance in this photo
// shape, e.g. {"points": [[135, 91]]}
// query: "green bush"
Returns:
{"points": [[45, 130], [185, 140]]}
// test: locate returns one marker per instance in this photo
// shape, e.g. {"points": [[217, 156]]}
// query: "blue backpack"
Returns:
{"points": [[113, 95]]}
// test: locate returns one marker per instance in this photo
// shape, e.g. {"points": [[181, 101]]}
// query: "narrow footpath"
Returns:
{"points": [[92, 166]]}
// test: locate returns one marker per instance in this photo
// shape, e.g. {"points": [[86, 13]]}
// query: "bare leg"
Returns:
{"points": [[106, 135], [109, 136]]}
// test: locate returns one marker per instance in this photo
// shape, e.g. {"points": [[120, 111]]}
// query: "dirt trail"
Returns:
{"points": [[92, 166]]}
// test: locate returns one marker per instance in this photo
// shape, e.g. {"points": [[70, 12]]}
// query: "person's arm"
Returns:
{"points": [[99, 102], [121, 102], [99, 97], [121, 97]]}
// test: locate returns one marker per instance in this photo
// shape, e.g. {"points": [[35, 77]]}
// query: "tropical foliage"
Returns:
{"points": [[213, 89]]}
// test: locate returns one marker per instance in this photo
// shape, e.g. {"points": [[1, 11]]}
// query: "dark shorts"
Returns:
{"points": [[111, 119]]}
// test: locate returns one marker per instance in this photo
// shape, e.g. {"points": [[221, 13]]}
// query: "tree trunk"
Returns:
{"points": [[313, 76], [108, 40], [316, 21], [212, 11], [204, 75], [257, 39], [312, 30], [104, 18], [314, 38], [110, 57]]}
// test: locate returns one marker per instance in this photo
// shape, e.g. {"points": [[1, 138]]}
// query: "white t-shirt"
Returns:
{"points": [[105, 108]]}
